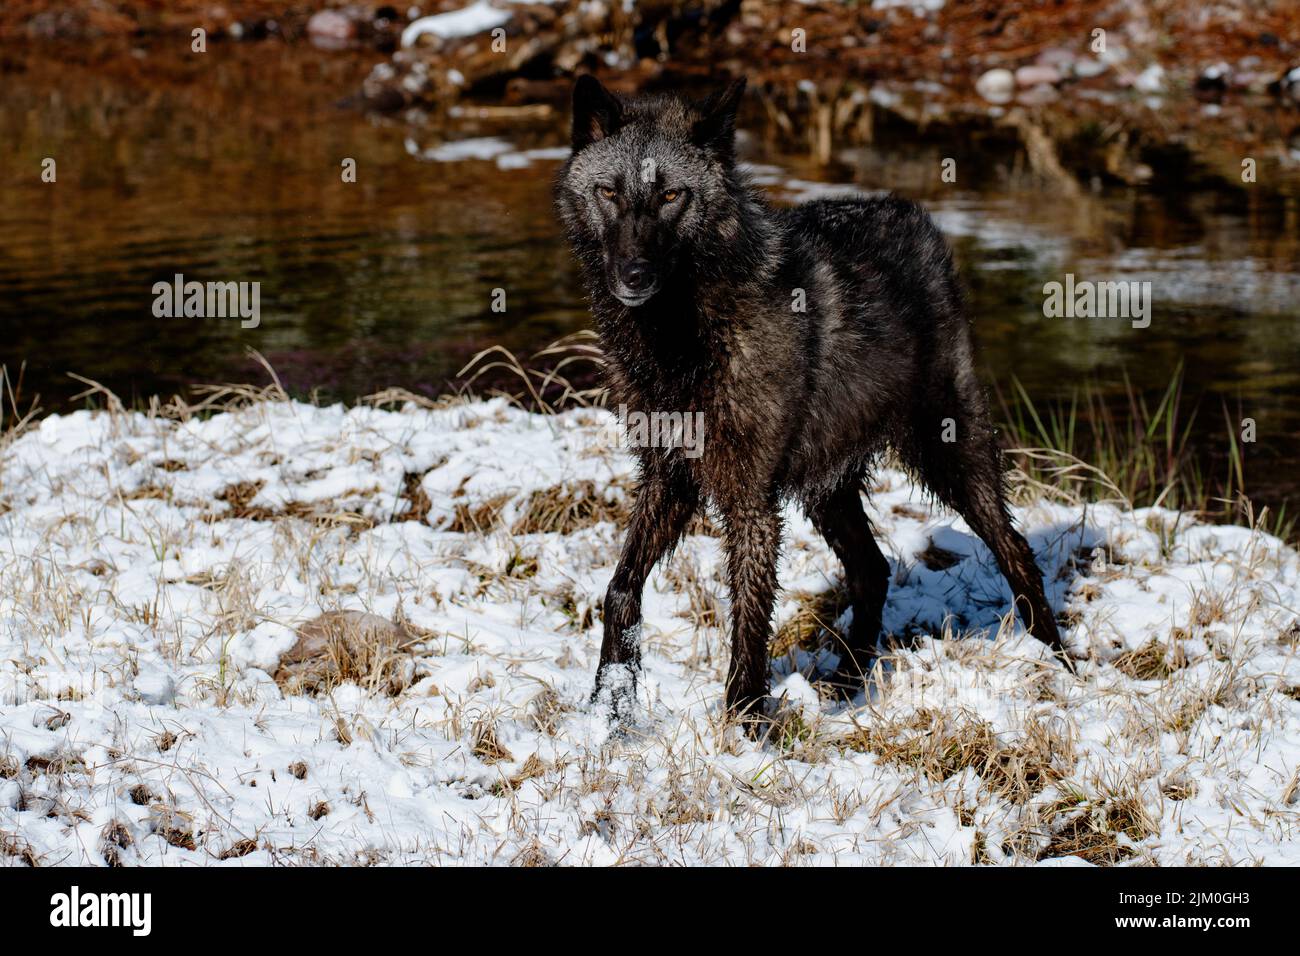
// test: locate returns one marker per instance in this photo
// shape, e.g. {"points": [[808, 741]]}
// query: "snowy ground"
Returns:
{"points": [[154, 571]]}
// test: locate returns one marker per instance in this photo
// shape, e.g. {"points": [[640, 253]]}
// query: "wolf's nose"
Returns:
{"points": [[637, 274]]}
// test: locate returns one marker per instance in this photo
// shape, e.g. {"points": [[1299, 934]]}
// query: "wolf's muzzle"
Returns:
{"points": [[635, 281]]}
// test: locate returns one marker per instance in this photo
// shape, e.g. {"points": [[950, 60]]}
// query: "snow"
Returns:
{"points": [[154, 571], [474, 19], [479, 147]]}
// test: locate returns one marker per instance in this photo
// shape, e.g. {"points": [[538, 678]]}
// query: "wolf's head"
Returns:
{"points": [[650, 182]]}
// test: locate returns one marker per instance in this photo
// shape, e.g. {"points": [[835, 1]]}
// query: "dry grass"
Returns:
{"points": [[415, 502], [940, 745], [345, 646], [545, 379], [546, 710], [237, 849], [174, 827], [1100, 832], [812, 622], [687, 784], [12, 845], [486, 745], [113, 840], [703, 605], [564, 509], [480, 518], [1151, 661]]}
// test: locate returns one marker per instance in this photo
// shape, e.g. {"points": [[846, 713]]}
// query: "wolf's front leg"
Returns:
{"points": [[663, 507], [752, 539]]}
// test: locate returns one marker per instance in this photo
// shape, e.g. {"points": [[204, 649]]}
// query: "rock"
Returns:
{"points": [[1288, 84], [1214, 79], [1039, 95], [1150, 80], [78, 24], [1056, 56], [343, 646], [332, 25], [996, 86], [488, 40], [1037, 75], [1249, 82], [1087, 67]]}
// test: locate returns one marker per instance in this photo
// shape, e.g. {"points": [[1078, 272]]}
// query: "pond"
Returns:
{"points": [[231, 171]]}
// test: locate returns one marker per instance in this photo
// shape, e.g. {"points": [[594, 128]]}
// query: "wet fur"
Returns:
{"points": [[797, 405]]}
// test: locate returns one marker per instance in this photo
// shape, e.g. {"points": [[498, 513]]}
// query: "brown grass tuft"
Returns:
{"points": [[239, 497], [532, 855], [13, 845], [113, 839], [486, 746], [704, 607], [174, 827], [938, 746], [342, 646], [477, 519], [417, 503], [1093, 834], [238, 849], [534, 766], [546, 709], [1151, 661], [566, 508], [141, 795], [815, 615]]}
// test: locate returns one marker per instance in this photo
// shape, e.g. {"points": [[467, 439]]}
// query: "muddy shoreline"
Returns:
{"points": [[1219, 89]]}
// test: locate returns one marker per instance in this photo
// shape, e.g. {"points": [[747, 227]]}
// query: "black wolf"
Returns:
{"points": [[811, 339]]}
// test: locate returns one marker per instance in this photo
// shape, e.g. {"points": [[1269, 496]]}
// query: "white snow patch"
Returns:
{"points": [[153, 571]]}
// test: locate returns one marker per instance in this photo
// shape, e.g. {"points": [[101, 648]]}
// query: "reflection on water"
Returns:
{"points": [[234, 174]]}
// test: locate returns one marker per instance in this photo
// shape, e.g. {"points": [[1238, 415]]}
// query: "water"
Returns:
{"points": [[230, 170]]}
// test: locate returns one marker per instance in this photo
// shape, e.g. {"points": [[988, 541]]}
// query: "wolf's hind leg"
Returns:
{"points": [[664, 505], [841, 520], [966, 475], [986, 513]]}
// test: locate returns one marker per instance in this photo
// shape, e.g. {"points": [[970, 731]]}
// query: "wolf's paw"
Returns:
{"points": [[615, 692], [852, 672]]}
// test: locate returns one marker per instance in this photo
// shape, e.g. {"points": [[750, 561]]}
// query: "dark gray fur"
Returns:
{"points": [[797, 405]]}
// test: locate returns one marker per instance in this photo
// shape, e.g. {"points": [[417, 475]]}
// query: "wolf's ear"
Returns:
{"points": [[716, 129], [597, 113]]}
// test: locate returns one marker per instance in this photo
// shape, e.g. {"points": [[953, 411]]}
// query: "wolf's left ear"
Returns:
{"points": [[716, 129], [597, 112]]}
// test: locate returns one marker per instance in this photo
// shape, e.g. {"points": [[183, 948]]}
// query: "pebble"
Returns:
{"points": [[332, 25], [996, 86], [1087, 67], [1038, 75], [1150, 80]]}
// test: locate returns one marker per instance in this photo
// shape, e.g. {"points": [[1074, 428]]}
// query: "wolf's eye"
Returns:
{"points": [[671, 195], [607, 192]]}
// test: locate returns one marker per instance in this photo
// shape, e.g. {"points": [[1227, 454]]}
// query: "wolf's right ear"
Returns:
{"points": [[716, 128], [597, 112]]}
